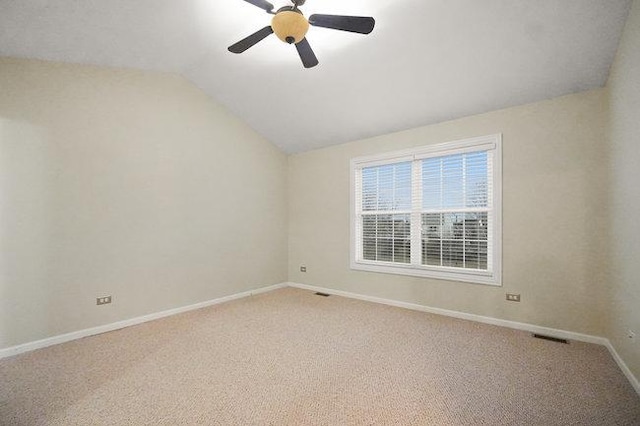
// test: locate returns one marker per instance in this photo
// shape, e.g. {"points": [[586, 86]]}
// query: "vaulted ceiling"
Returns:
{"points": [[426, 61]]}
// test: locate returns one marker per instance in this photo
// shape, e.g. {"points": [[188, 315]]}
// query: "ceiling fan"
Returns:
{"points": [[290, 25]]}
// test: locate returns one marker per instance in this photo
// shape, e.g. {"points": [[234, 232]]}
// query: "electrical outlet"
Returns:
{"points": [[513, 297], [303, 269], [103, 300], [631, 334]]}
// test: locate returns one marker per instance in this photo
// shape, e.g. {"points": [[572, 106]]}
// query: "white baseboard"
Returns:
{"points": [[486, 320], [462, 315], [38, 344], [62, 338], [624, 367]]}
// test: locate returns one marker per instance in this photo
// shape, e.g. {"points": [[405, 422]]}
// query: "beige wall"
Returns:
{"points": [[624, 86], [554, 226], [129, 184]]}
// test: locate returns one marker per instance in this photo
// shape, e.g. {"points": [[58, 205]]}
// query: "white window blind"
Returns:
{"points": [[431, 212], [386, 212]]}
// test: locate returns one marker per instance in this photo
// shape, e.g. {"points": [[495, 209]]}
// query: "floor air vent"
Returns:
{"points": [[322, 294], [553, 339]]}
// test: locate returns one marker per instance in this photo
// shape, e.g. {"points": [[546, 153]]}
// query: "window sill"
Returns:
{"points": [[484, 278]]}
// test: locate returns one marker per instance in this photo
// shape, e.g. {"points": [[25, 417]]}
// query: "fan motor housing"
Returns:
{"points": [[290, 26]]}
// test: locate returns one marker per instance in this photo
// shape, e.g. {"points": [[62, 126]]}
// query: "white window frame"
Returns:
{"points": [[492, 144]]}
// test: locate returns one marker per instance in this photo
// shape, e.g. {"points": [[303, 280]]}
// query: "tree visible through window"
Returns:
{"points": [[430, 212]]}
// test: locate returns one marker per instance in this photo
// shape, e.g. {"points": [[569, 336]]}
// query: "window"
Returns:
{"points": [[432, 212]]}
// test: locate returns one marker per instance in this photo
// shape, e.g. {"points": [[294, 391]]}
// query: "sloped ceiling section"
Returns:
{"points": [[426, 61]]}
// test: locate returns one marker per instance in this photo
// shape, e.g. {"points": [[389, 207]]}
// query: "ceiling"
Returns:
{"points": [[426, 61]]}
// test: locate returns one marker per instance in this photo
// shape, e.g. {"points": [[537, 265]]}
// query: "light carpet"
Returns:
{"points": [[290, 357]]}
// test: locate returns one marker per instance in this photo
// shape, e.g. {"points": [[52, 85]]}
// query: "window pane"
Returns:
{"points": [[456, 240], [452, 236], [385, 251], [452, 226], [401, 239], [476, 241], [431, 239], [431, 183], [369, 189], [452, 182], [455, 181], [482, 256], [386, 187], [369, 237], [476, 184], [369, 249], [387, 238], [452, 253]]}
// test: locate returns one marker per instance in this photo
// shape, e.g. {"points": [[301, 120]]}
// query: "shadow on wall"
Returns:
{"points": [[26, 179]]}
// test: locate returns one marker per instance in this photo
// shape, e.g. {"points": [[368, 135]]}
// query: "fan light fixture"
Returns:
{"points": [[290, 25]]}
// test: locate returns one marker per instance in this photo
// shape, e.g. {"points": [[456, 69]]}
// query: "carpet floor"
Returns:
{"points": [[290, 357]]}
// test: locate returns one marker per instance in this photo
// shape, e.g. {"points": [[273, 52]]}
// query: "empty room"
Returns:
{"points": [[305, 212]]}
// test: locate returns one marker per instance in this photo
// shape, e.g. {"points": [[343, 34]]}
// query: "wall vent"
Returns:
{"points": [[550, 338]]}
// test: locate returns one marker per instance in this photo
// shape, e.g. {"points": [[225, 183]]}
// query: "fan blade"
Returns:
{"points": [[262, 4], [354, 24], [248, 42], [309, 59]]}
